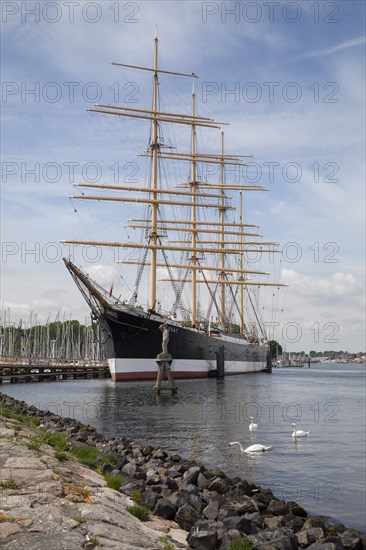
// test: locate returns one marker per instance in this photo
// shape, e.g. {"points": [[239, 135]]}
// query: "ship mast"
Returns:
{"points": [[154, 183], [241, 287], [222, 222], [194, 227]]}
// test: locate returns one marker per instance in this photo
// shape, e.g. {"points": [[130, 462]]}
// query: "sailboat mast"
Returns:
{"points": [[222, 222], [194, 214], [154, 182]]}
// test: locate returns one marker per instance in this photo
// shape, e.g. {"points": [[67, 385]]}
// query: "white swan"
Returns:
{"points": [[252, 425], [253, 448], [298, 433]]}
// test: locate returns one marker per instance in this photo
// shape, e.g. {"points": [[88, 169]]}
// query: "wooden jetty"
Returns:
{"points": [[29, 369]]}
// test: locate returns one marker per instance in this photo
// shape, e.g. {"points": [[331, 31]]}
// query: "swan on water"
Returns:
{"points": [[252, 425], [298, 433], [253, 448]]}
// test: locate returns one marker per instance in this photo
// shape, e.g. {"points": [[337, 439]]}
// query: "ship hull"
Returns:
{"points": [[135, 340]]}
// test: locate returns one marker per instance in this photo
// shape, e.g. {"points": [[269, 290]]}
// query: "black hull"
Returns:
{"points": [[134, 340]]}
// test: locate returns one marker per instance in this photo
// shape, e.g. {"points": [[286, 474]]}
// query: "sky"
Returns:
{"points": [[288, 78]]}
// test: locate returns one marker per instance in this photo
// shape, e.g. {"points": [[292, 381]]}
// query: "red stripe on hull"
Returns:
{"points": [[152, 375], [135, 376]]}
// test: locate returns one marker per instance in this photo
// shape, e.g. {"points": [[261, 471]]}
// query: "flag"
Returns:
{"points": [[111, 289]]}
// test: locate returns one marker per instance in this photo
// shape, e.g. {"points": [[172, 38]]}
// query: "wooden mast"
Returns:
{"points": [[241, 287], [193, 215], [222, 222], [154, 183]]}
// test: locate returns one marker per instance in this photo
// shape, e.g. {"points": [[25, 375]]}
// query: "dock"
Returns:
{"points": [[28, 369]]}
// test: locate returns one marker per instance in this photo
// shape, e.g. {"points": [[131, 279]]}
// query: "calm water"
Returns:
{"points": [[325, 472]]}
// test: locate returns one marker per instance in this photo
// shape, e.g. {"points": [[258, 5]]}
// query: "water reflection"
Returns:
{"points": [[204, 416]]}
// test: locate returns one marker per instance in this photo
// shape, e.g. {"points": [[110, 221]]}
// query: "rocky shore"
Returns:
{"points": [[65, 486]]}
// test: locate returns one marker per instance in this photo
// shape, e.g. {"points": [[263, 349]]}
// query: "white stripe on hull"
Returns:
{"points": [[146, 369]]}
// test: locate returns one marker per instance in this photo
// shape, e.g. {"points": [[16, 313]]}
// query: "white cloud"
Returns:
{"points": [[345, 45], [339, 285]]}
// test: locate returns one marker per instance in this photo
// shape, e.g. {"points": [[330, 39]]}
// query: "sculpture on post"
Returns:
{"points": [[164, 345], [164, 360]]}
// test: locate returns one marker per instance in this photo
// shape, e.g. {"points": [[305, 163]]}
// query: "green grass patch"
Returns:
{"points": [[57, 440], [114, 482], [111, 458], [8, 484], [87, 455], [62, 457], [35, 442], [140, 512], [240, 544], [136, 496]]}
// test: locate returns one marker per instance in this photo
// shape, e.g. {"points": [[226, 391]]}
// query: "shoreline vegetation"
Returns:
{"points": [[65, 486]]}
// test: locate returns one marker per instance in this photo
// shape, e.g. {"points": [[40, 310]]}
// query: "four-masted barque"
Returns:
{"points": [[208, 260]]}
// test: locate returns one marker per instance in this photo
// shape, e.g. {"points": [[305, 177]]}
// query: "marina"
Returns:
{"points": [[23, 369]]}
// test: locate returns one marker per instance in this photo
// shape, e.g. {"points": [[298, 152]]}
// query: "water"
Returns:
{"points": [[325, 472]]}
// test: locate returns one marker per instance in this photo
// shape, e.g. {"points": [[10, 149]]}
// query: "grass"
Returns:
{"points": [[14, 412], [110, 458], [8, 484], [56, 440], [87, 455], [140, 512], [62, 457], [240, 544], [136, 496], [114, 482], [35, 442]]}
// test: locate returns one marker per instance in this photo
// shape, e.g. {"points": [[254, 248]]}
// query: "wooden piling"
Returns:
{"points": [[220, 363]]}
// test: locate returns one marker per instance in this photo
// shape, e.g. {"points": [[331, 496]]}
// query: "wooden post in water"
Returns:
{"points": [[220, 363], [164, 360]]}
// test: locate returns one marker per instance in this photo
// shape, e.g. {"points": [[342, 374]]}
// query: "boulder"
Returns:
{"points": [[187, 516], [164, 508], [203, 535]]}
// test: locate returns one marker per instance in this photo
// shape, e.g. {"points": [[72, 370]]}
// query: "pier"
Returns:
{"points": [[23, 369]]}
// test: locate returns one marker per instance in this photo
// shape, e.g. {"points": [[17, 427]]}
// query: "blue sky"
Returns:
{"points": [[287, 76]]}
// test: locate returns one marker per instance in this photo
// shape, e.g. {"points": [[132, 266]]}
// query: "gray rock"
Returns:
{"points": [[149, 499], [211, 511], [227, 511], [239, 523], [107, 468], [272, 522], [202, 481], [191, 475], [129, 469], [187, 516], [219, 485], [246, 505], [132, 485], [296, 509], [326, 545], [315, 522], [277, 507], [228, 537], [305, 537], [165, 508], [293, 523], [203, 535], [351, 540], [196, 501]]}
